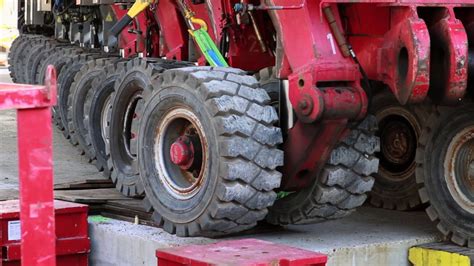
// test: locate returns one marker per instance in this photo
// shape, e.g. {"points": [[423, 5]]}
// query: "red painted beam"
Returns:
{"points": [[22, 96]]}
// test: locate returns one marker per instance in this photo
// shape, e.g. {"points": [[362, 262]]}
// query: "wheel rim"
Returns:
{"points": [[130, 123], [398, 132], [181, 153], [104, 118], [459, 168]]}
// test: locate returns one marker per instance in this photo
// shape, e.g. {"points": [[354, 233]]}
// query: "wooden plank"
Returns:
{"points": [[133, 204], [85, 184], [104, 201], [126, 209], [101, 195], [111, 203]]}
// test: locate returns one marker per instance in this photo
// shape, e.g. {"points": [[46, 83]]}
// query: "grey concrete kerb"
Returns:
{"points": [[368, 237]]}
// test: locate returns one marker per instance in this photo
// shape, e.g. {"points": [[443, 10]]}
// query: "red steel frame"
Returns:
{"points": [[416, 48], [33, 104]]}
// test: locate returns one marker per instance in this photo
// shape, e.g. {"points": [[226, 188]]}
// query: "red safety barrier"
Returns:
{"points": [[33, 104], [239, 253]]}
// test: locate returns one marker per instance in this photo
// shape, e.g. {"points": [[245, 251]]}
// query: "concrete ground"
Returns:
{"points": [[3, 58], [368, 237]]}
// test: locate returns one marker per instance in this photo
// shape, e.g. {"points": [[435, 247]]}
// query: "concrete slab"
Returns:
{"points": [[368, 237]]}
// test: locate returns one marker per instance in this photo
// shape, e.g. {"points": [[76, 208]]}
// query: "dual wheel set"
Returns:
{"points": [[427, 161]]}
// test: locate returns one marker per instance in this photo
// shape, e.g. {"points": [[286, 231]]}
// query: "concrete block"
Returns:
{"points": [[368, 237]]}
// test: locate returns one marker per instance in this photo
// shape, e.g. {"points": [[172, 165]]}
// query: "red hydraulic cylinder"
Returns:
{"points": [[33, 104]]}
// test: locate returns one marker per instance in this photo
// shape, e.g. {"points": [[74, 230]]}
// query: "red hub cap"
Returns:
{"points": [[182, 152]]}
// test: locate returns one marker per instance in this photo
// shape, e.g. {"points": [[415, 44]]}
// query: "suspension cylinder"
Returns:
{"points": [[330, 103]]}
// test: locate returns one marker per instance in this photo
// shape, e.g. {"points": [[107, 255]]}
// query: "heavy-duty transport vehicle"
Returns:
{"points": [[224, 113]]}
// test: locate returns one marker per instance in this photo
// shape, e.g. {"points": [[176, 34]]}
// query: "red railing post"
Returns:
{"points": [[36, 182], [38, 238]]}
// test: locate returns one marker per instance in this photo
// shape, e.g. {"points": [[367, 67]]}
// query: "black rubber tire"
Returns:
{"points": [[31, 61], [102, 89], [13, 54], [342, 185], [79, 100], [37, 54], [397, 190], [269, 82], [54, 57], [59, 59], [40, 64], [238, 124], [135, 80], [452, 220], [30, 52], [71, 66], [267, 77], [21, 59], [17, 54]]}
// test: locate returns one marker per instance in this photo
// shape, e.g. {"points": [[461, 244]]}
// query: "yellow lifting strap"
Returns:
{"points": [[203, 40]]}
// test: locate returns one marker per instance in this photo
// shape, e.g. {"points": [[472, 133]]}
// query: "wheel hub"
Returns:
{"points": [[397, 145], [182, 152], [398, 132]]}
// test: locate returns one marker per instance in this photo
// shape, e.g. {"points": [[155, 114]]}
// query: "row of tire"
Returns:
{"points": [[29, 57], [102, 102]]}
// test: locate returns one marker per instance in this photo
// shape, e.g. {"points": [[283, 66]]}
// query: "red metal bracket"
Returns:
{"points": [[449, 59], [404, 61], [38, 240], [22, 96], [466, 15]]}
